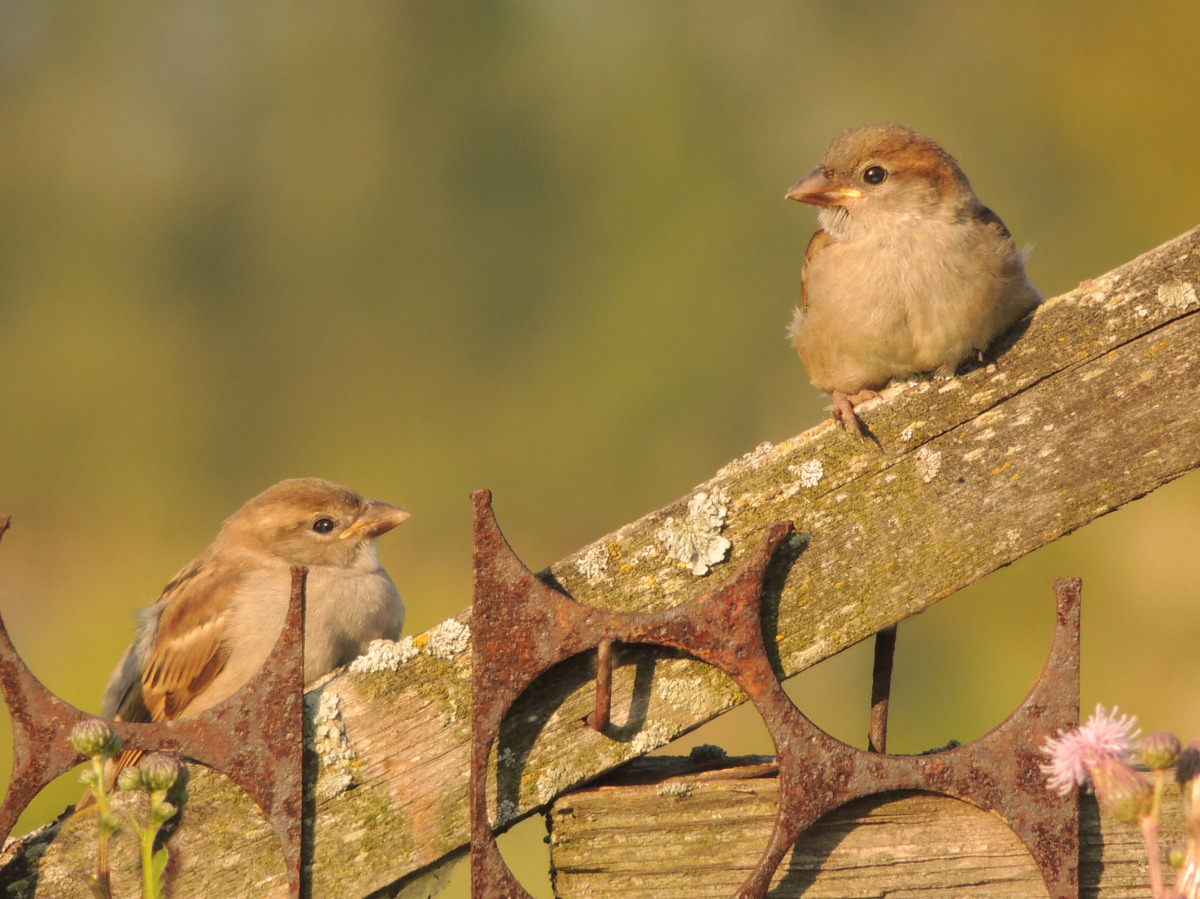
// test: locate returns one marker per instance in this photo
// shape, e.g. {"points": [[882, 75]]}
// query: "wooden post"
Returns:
{"points": [[665, 827]]}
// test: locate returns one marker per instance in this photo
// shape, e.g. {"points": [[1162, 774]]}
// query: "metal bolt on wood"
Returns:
{"points": [[255, 737], [521, 627]]}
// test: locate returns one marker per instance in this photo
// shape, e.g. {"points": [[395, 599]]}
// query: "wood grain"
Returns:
{"points": [[1089, 406], [663, 829]]}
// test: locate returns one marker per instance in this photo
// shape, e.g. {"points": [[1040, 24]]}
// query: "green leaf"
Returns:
{"points": [[158, 864]]}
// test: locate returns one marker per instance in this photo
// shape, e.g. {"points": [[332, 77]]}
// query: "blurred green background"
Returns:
{"points": [[539, 247]]}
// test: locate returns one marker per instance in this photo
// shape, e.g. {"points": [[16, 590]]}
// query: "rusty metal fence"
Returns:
{"points": [[521, 627]]}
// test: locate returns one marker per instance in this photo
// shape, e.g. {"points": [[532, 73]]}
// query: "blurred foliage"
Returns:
{"points": [[540, 247]]}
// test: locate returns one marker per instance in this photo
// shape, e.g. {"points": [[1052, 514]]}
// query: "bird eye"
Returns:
{"points": [[323, 525], [875, 174]]}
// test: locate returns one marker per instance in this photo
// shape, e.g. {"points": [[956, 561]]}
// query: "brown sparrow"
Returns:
{"points": [[908, 271], [219, 618]]}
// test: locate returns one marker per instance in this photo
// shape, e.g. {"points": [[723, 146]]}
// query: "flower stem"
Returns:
{"points": [[1153, 855], [149, 880], [102, 884]]}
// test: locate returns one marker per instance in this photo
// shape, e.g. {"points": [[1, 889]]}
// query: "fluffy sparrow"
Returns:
{"points": [[219, 618], [908, 271]]}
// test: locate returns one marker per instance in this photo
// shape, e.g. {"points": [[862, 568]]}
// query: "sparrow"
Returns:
{"points": [[907, 272], [219, 618]]}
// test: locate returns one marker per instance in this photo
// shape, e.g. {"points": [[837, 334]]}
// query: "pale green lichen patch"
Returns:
{"points": [[751, 461], [1178, 295], [650, 551], [385, 655], [556, 779], [928, 463], [696, 541], [329, 740], [1008, 541], [808, 473], [506, 811], [448, 639], [594, 562], [683, 693], [650, 738], [698, 690], [445, 641], [451, 712], [680, 789]]}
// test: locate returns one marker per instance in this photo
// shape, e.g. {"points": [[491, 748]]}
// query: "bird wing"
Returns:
{"points": [[195, 609], [815, 244], [189, 649]]}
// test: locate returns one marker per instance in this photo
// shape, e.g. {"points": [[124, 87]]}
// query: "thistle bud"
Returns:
{"points": [[160, 770], [130, 779], [1122, 791], [1159, 750], [95, 737], [1176, 854], [1189, 764]]}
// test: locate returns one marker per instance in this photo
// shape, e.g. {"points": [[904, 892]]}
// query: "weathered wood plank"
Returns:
{"points": [[662, 830], [1093, 405]]}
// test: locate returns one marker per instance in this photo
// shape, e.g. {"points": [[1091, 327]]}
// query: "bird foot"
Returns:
{"points": [[843, 409]]}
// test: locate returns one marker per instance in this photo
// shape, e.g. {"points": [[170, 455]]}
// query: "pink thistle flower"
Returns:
{"points": [[1074, 754]]}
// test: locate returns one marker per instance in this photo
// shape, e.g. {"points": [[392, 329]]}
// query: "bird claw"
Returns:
{"points": [[843, 409]]}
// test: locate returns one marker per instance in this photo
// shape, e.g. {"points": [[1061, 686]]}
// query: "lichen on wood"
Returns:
{"points": [[1070, 418]]}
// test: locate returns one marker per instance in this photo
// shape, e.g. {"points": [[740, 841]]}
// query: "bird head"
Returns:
{"points": [[884, 172], [310, 521]]}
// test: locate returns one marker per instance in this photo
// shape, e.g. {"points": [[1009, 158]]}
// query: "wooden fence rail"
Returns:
{"points": [[665, 828], [1092, 405]]}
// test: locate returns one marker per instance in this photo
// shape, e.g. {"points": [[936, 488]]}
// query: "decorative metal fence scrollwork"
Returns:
{"points": [[522, 627]]}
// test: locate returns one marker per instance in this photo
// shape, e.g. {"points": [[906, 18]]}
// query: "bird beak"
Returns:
{"points": [[379, 518], [817, 189]]}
